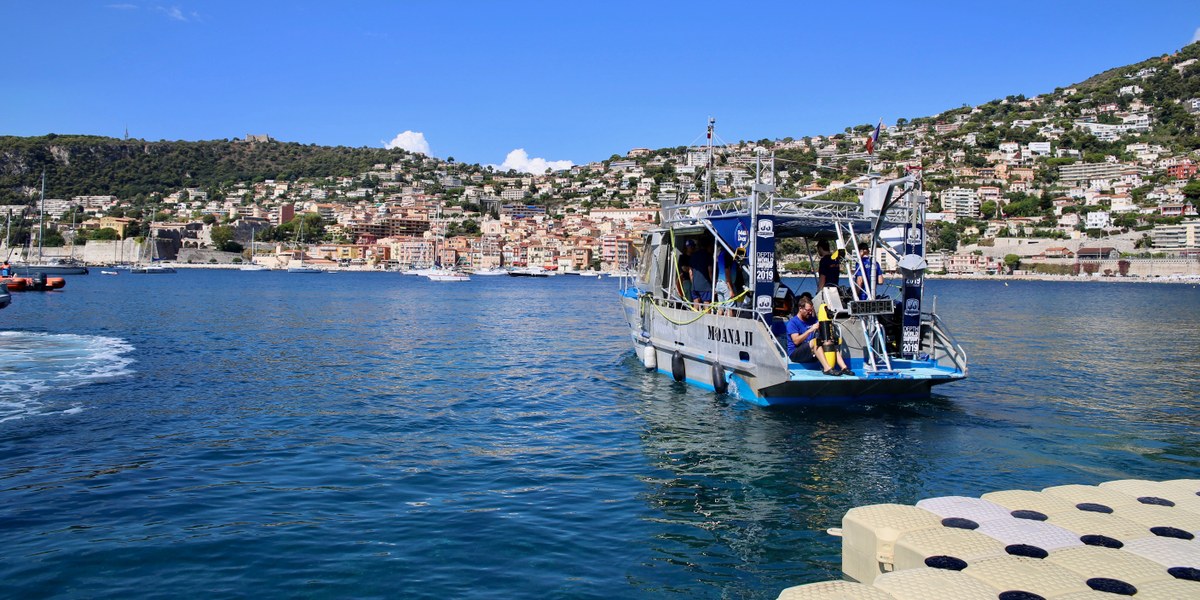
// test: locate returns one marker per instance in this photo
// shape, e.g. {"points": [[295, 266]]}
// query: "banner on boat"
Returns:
{"points": [[910, 335], [735, 232]]}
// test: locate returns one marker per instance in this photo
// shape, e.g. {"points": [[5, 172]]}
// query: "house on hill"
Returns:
{"points": [[1098, 253]]}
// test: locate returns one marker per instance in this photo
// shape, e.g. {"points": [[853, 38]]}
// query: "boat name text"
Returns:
{"points": [[729, 335]]}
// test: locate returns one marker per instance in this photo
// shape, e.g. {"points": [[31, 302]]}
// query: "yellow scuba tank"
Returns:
{"points": [[828, 334]]}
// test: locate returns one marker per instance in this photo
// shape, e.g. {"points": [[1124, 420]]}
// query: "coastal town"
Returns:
{"points": [[1095, 180]]}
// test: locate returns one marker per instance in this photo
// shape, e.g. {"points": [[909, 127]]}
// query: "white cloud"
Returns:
{"points": [[1196, 36], [519, 160], [177, 13], [413, 141]]}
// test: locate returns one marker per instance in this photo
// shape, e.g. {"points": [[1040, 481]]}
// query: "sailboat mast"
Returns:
{"points": [[41, 217]]}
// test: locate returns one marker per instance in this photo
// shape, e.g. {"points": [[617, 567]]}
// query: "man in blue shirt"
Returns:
{"points": [[802, 342], [800, 331], [862, 275]]}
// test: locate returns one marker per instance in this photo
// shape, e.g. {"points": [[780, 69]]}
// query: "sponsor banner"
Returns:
{"points": [[764, 264], [734, 231], [910, 339]]}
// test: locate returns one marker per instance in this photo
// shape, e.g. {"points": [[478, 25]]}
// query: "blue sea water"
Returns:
{"points": [[373, 435]]}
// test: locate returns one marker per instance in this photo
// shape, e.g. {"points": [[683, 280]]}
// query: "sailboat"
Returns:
{"points": [[55, 266], [300, 268], [252, 266], [150, 268], [440, 273]]}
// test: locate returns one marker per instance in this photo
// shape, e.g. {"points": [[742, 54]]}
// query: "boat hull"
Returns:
{"points": [[753, 369], [49, 270]]}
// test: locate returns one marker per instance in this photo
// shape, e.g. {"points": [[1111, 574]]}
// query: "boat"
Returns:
{"points": [[152, 270], [447, 275], [491, 271], [5, 297], [438, 272], [149, 268], [300, 267], [252, 266], [52, 266], [38, 282], [110, 273], [895, 349], [528, 272]]}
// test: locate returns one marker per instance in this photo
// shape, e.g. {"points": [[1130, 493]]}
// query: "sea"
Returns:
{"points": [[373, 435]]}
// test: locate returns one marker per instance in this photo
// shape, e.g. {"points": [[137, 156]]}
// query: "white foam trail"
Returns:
{"points": [[32, 364]]}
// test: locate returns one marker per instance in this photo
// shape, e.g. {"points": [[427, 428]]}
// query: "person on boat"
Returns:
{"points": [[865, 272], [685, 272], [803, 343], [5, 269], [725, 286], [828, 268], [700, 267]]}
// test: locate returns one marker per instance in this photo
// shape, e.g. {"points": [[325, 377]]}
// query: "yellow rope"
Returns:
{"points": [[710, 308]]}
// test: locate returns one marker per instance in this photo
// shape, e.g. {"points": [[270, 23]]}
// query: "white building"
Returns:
{"points": [[963, 202], [1097, 220]]}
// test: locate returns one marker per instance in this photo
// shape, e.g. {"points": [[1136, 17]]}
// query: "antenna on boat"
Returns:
{"points": [[708, 170]]}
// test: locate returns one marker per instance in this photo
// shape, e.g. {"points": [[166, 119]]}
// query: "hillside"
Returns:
{"points": [[90, 165]]}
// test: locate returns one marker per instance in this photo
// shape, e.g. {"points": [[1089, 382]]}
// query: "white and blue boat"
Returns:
{"points": [[897, 348]]}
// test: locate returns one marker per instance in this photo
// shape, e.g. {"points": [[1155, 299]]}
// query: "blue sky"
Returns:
{"points": [[562, 81]]}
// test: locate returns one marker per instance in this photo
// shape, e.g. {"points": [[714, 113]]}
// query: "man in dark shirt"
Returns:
{"points": [[828, 268]]}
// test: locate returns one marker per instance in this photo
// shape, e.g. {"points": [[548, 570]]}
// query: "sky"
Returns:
{"points": [[532, 85]]}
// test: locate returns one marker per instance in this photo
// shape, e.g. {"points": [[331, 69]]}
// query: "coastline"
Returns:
{"points": [[1189, 279]]}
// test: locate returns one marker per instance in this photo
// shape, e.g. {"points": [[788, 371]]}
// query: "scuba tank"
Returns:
{"points": [[827, 333]]}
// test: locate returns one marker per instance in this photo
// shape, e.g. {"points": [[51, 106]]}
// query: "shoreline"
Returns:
{"points": [[1190, 279]]}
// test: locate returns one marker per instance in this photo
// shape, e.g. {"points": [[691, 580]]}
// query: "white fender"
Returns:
{"points": [[650, 357]]}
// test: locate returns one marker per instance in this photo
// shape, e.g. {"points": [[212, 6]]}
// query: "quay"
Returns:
{"points": [[1130, 538]]}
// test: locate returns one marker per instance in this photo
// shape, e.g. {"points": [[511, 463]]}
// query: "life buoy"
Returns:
{"points": [[678, 370], [720, 383]]}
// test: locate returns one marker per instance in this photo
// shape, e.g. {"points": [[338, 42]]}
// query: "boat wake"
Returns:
{"points": [[33, 363]]}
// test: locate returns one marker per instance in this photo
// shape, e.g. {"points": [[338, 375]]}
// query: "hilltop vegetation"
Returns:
{"points": [[78, 165]]}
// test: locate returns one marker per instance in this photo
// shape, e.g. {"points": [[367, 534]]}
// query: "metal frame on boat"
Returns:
{"points": [[897, 348]]}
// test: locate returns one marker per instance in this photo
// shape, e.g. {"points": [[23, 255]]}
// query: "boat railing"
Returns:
{"points": [[940, 340]]}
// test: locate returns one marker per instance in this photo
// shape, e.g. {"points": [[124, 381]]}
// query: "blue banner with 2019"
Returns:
{"points": [[910, 337]]}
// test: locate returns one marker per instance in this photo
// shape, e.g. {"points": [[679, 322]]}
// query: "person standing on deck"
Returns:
{"points": [[700, 263], [828, 268], [864, 273]]}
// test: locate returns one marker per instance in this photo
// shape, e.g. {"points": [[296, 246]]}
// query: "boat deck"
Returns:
{"points": [[901, 369]]}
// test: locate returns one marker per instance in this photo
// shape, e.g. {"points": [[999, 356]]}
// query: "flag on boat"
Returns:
{"points": [[874, 138]]}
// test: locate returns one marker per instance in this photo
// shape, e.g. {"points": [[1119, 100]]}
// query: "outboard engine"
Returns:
{"points": [[38, 282]]}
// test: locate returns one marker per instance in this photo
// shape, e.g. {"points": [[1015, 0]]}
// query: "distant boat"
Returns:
{"points": [[151, 268], [447, 275], [252, 266], [109, 273], [300, 268], [491, 271], [528, 272], [54, 266]]}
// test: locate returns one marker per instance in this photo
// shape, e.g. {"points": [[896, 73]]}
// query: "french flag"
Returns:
{"points": [[874, 138]]}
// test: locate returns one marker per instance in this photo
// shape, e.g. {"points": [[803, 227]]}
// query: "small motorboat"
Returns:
{"points": [[38, 282], [109, 273]]}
